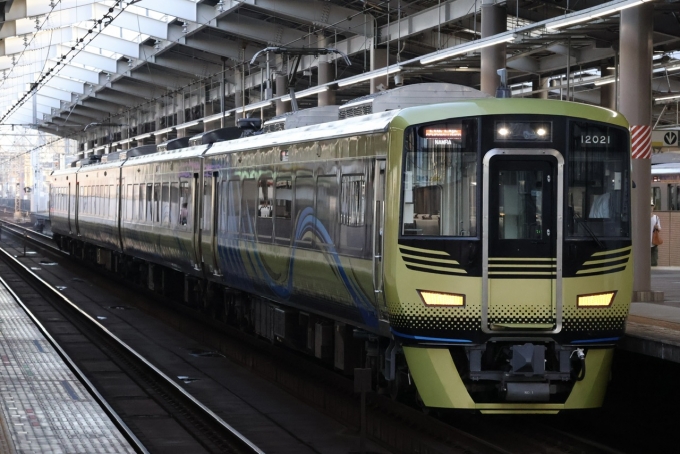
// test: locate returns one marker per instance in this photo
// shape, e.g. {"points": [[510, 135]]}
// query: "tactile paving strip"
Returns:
{"points": [[44, 407]]}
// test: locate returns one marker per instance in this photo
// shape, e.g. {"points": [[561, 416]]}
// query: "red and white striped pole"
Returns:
{"points": [[641, 141]]}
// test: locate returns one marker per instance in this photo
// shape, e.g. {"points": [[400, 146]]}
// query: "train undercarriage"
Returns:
{"points": [[495, 372]]}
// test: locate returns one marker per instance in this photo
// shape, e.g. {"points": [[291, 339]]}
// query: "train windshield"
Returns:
{"points": [[598, 197], [440, 180]]}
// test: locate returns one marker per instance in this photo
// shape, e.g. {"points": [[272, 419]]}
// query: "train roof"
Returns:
{"points": [[367, 124], [666, 169], [180, 153], [380, 122]]}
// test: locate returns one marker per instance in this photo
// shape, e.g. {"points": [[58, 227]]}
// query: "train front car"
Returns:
{"points": [[508, 263]]}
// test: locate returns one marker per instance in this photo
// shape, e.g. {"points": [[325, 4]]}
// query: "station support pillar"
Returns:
{"points": [[494, 21], [326, 74], [379, 58], [238, 95], [281, 86], [636, 82]]}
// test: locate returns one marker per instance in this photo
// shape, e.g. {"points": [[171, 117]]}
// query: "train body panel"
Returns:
{"points": [[318, 281], [62, 201], [160, 216], [666, 186], [305, 250], [97, 205], [486, 242]]}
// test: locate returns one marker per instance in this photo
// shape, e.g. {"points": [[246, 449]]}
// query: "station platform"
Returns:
{"points": [[43, 406], [653, 328]]}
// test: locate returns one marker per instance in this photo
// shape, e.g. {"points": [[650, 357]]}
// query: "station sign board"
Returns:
{"points": [[666, 140]]}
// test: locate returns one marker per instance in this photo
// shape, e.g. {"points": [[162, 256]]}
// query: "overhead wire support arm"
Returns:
{"points": [[298, 53]]}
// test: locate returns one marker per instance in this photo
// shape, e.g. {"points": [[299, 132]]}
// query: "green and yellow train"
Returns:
{"points": [[478, 248]]}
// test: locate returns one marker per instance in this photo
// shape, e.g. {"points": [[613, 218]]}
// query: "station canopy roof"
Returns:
{"points": [[69, 64]]}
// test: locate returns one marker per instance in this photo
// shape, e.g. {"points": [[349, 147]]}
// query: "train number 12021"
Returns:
{"points": [[595, 140]]}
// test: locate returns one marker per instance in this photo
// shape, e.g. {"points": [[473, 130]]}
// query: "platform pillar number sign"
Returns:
{"points": [[362, 384]]}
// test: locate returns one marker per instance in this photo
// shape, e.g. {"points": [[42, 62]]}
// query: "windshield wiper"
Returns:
{"points": [[587, 227]]}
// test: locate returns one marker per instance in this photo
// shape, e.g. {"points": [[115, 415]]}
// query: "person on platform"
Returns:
{"points": [[655, 224], [183, 212]]}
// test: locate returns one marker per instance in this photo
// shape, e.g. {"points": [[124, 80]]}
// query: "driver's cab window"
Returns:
{"points": [[439, 183], [598, 181]]}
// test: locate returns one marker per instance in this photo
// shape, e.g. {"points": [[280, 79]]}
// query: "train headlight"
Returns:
{"points": [[596, 300], [442, 299]]}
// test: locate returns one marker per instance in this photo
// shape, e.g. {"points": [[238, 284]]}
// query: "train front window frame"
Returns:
{"points": [[598, 181], [439, 181]]}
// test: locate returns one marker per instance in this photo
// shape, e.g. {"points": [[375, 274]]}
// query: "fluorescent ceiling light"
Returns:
{"points": [[592, 13], [368, 76], [257, 105], [216, 116], [142, 136], [666, 98], [666, 68], [305, 93], [187, 125], [604, 81], [163, 131], [358, 103], [469, 47]]}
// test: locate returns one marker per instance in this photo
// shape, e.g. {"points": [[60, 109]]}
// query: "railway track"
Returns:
{"points": [[397, 427], [202, 430]]}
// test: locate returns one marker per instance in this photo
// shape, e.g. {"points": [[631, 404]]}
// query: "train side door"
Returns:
{"points": [[209, 229], [378, 229], [69, 208], [197, 185], [78, 200], [522, 251]]}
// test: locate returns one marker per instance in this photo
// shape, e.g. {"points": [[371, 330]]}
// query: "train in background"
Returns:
{"points": [[471, 250], [666, 186]]}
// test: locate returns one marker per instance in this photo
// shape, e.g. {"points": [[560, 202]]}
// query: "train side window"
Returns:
{"points": [[165, 204], [207, 205], [174, 203], [264, 212], [72, 198], [93, 200], [248, 208], [128, 203], [184, 213], [326, 208], [234, 206], [105, 201], [156, 203], [83, 198], [149, 202], [112, 201], [141, 214], [353, 212], [222, 207], [283, 207], [304, 205], [265, 194], [135, 202]]}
